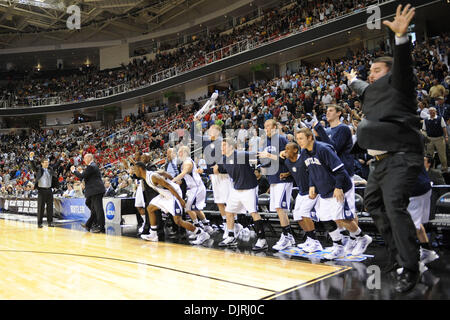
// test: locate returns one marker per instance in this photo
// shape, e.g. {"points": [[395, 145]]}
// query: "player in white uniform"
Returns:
{"points": [[195, 190], [169, 200], [139, 202]]}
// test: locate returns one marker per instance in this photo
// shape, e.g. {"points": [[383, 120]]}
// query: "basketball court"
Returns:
{"points": [[60, 263]]}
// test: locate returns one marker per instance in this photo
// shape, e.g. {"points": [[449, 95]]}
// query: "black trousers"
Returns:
{"points": [[45, 199], [386, 198], [95, 204]]}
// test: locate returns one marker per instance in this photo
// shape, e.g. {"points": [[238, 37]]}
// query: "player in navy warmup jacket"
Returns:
{"points": [[339, 136], [280, 189], [329, 179], [304, 206], [244, 193]]}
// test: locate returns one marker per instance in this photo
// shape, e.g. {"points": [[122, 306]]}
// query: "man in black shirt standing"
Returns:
{"points": [[390, 133], [46, 179]]}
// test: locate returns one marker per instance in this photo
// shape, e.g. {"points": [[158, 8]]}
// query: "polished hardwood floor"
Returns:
{"points": [[62, 263]]}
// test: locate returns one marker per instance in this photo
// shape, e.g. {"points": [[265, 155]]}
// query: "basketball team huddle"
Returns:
{"points": [[321, 170]]}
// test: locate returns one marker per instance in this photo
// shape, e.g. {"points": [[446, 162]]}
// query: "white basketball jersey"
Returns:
{"points": [[193, 179], [162, 191]]}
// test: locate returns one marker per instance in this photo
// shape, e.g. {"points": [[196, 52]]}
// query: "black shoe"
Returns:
{"points": [[51, 225], [407, 280], [39, 225], [390, 267], [83, 225], [98, 229]]}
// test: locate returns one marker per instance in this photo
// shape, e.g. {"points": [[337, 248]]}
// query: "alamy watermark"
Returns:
{"points": [[373, 281], [74, 20], [374, 20]]}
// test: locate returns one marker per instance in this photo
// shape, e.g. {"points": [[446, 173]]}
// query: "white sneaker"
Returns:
{"points": [[427, 256], [336, 252], [244, 235], [141, 229], [291, 239], [261, 244], [305, 243], [237, 229], [283, 243], [153, 236], [202, 237], [312, 246], [209, 229], [349, 246], [361, 245], [191, 235], [345, 240], [228, 242]]}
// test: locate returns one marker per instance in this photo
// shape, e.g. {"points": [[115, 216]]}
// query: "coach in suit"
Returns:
{"points": [[46, 179], [94, 191], [390, 131]]}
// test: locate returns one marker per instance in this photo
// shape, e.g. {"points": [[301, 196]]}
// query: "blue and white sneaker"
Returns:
{"points": [[361, 245], [283, 243], [312, 246], [202, 237], [228, 242], [337, 251]]}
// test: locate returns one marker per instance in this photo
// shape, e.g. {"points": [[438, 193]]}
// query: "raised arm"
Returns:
{"points": [[32, 163], [341, 137], [355, 84], [402, 69], [84, 174], [322, 134]]}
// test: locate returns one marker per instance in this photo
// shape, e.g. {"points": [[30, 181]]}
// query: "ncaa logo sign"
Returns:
{"points": [[110, 210]]}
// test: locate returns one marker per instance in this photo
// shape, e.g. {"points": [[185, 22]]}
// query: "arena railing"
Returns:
{"points": [[190, 65]]}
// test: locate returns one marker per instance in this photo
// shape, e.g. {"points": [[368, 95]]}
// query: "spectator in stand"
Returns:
{"points": [[437, 90], [436, 130], [423, 110], [110, 192], [69, 193]]}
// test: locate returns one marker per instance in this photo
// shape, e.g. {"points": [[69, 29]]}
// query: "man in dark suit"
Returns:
{"points": [[94, 191], [390, 131], [46, 179]]}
